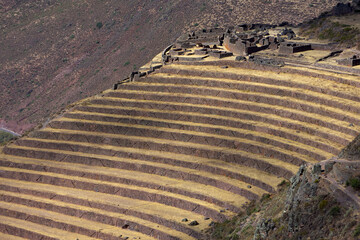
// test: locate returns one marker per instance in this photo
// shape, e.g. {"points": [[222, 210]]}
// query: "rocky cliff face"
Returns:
{"points": [[320, 202], [319, 206]]}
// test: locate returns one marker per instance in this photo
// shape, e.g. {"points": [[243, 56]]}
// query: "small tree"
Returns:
{"points": [[99, 25]]}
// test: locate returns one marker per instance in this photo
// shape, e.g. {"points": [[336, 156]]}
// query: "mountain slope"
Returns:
{"points": [[56, 52]]}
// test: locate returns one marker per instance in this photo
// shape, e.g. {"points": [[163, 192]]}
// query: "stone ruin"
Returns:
{"points": [[256, 38], [289, 48], [242, 41], [351, 62], [247, 44]]}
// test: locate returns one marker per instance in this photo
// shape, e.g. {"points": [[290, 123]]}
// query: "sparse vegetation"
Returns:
{"points": [[357, 231], [284, 183], [5, 137], [354, 182], [334, 211], [272, 216], [326, 29], [126, 63], [323, 204], [265, 197]]}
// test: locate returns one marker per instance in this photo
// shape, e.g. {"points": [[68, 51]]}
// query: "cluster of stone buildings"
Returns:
{"points": [[243, 40]]}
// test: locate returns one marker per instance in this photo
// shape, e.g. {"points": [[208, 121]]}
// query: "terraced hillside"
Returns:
{"points": [[54, 53], [189, 142]]}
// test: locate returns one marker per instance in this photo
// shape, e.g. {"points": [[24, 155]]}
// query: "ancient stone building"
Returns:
{"points": [[353, 61], [289, 48]]}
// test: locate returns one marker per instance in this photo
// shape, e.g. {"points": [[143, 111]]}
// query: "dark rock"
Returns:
{"points": [[266, 61], [193, 223], [303, 188], [316, 169], [263, 228], [184, 220], [342, 8], [329, 166], [240, 58], [248, 186]]}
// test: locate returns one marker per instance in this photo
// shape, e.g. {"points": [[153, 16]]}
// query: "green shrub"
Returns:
{"points": [[323, 204], [126, 63], [284, 183], [354, 183], [357, 231], [5, 137], [99, 25], [334, 211], [265, 197]]}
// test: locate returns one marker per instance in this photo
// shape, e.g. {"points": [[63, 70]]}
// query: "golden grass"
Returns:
{"points": [[323, 96], [289, 77], [10, 237], [339, 86], [211, 116], [194, 187], [124, 232], [226, 150], [118, 185], [258, 123], [43, 230], [275, 97], [79, 222], [246, 171], [192, 133], [151, 208]]}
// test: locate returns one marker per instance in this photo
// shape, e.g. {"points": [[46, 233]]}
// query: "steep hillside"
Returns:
{"points": [[191, 140], [56, 52], [322, 201]]}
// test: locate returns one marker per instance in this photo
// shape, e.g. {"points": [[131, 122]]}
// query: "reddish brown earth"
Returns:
{"points": [[53, 53]]}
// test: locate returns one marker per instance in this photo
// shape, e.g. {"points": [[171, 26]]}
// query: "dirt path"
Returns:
{"points": [[9, 131]]}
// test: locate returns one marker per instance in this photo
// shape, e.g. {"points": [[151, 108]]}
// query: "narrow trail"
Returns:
{"points": [[9, 131]]}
